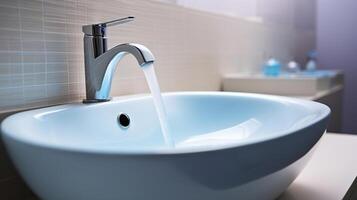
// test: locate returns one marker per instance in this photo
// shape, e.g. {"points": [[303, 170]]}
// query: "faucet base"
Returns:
{"points": [[85, 101]]}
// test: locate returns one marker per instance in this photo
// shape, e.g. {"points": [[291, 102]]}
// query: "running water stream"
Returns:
{"points": [[151, 79]]}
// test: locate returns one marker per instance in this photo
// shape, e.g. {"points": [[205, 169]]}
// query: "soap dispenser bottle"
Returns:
{"points": [[311, 61], [272, 67], [293, 67]]}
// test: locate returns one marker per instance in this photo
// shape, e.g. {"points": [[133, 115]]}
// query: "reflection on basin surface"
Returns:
{"points": [[228, 146], [225, 136]]}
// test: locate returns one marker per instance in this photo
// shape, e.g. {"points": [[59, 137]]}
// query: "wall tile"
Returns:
{"points": [[33, 4], [10, 81], [11, 97], [35, 93], [33, 57], [10, 68], [34, 79], [34, 68]]}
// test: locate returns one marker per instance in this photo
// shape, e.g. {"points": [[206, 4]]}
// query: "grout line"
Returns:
{"points": [[37, 85], [45, 46], [43, 51], [66, 41], [22, 55]]}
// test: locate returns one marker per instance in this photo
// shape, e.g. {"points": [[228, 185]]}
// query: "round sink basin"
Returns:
{"points": [[227, 146]]}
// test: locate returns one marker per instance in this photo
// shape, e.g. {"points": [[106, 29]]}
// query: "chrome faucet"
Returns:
{"points": [[100, 63]]}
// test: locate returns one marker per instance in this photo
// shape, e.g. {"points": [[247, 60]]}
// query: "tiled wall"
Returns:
{"points": [[41, 53], [295, 13]]}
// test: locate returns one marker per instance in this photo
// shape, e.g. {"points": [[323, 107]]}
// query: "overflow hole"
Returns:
{"points": [[124, 120]]}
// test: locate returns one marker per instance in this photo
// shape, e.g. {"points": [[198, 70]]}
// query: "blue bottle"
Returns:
{"points": [[311, 63], [272, 67]]}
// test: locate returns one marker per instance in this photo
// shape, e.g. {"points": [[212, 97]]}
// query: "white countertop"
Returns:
{"points": [[330, 172]]}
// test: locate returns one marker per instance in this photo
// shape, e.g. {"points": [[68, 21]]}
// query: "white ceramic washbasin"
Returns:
{"points": [[228, 146]]}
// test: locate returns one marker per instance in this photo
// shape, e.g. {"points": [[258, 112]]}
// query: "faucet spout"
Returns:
{"points": [[100, 63], [142, 54]]}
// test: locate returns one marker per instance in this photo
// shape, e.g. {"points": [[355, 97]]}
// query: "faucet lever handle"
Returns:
{"points": [[99, 29], [117, 21]]}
